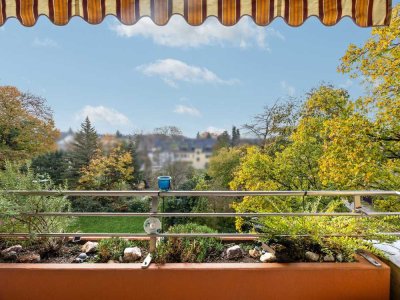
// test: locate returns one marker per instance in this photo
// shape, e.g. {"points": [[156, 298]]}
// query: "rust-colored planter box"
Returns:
{"points": [[305, 281]]}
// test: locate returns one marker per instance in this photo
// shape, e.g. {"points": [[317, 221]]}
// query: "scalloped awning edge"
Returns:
{"points": [[364, 13]]}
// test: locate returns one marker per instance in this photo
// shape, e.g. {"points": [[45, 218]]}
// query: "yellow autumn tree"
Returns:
{"points": [[297, 166], [351, 159], [107, 172], [26, 125], [377, 63]]}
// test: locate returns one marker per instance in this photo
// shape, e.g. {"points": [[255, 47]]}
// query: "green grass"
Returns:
{"points": [[108, 224]]}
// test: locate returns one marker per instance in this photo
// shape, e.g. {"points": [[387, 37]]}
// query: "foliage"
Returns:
{"points": [[168, 131], [354, 162], [180, 171], [235, 136], [112, 248], [13, 207], [132, 148], [26, 125], [188, 250], [377, 63], [329, 148], [54, 164], [107, 172], [223, 165], [83, 149], [275, 124], [223, 141], [353, 233]]}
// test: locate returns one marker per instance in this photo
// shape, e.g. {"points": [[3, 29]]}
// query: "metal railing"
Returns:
{"points": [[357, 210]]}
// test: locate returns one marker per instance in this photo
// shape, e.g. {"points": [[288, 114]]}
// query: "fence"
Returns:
{"points": [[157, 195]]}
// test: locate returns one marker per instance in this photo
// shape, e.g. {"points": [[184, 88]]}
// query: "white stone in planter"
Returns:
{"points": [[329, 258], [267, 257], [234, 252], [311, 256], [339, 258], [90, 247], [132, 254], [15, 248]]}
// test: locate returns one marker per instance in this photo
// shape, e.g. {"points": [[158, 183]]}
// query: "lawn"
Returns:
{"points": [[108, 224]]}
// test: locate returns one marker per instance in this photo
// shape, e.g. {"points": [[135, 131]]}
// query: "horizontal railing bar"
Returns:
{"points": [[200, 193], [188, 235], [278, 193], [209, 215], [82, 193]]}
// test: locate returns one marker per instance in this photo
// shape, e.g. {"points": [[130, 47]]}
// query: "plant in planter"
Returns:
{"points": [[188, 250], [112, 248], [330, 237]]}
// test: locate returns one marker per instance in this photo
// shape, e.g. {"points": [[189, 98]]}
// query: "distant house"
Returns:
{"points": [[196, 152]]}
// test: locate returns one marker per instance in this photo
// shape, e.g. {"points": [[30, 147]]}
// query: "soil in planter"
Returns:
{"points": [[67, 251]]}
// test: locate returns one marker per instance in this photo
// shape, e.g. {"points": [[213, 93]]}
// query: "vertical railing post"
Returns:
{"points": [[153, 209]]}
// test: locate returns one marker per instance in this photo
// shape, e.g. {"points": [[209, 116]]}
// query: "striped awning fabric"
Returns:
{"points": [[364, 13]]}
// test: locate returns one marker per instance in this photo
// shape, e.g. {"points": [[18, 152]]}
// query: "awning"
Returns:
{"points": [[364, 13]]}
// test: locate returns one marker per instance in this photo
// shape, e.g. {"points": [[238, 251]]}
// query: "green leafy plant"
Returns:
{"points": [[330, 234], [197, 249], [18, 212], [112, 248]]}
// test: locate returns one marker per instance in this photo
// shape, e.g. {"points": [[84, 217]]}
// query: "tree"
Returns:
{"points": [[132, 148], [26, 125], [53, 164], [83, 150], [377, 62], [235, 136], [275, 123], [223, 141], [169, 131], [297, 165], [108, 172], [180, 171], [222, 166]]}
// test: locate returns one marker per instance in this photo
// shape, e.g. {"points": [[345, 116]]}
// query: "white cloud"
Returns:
{"points": [[44, 43], [178, 33], [187, 110], [171, 71], [215, 130], [105, 119], [288, 89]]}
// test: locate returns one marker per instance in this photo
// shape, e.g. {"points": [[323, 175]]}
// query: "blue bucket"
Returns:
{"points": [[164, 182]]}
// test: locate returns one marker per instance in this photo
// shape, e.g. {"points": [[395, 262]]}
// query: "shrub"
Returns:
{"points": [[112, 248], [333, 234], [188, 249], [13, 207]]}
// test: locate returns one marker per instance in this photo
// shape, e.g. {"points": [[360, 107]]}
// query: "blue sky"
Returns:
{"points": [[197, 78]]}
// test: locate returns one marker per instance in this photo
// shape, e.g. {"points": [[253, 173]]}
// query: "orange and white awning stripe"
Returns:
{"points": [[364, 13]]}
